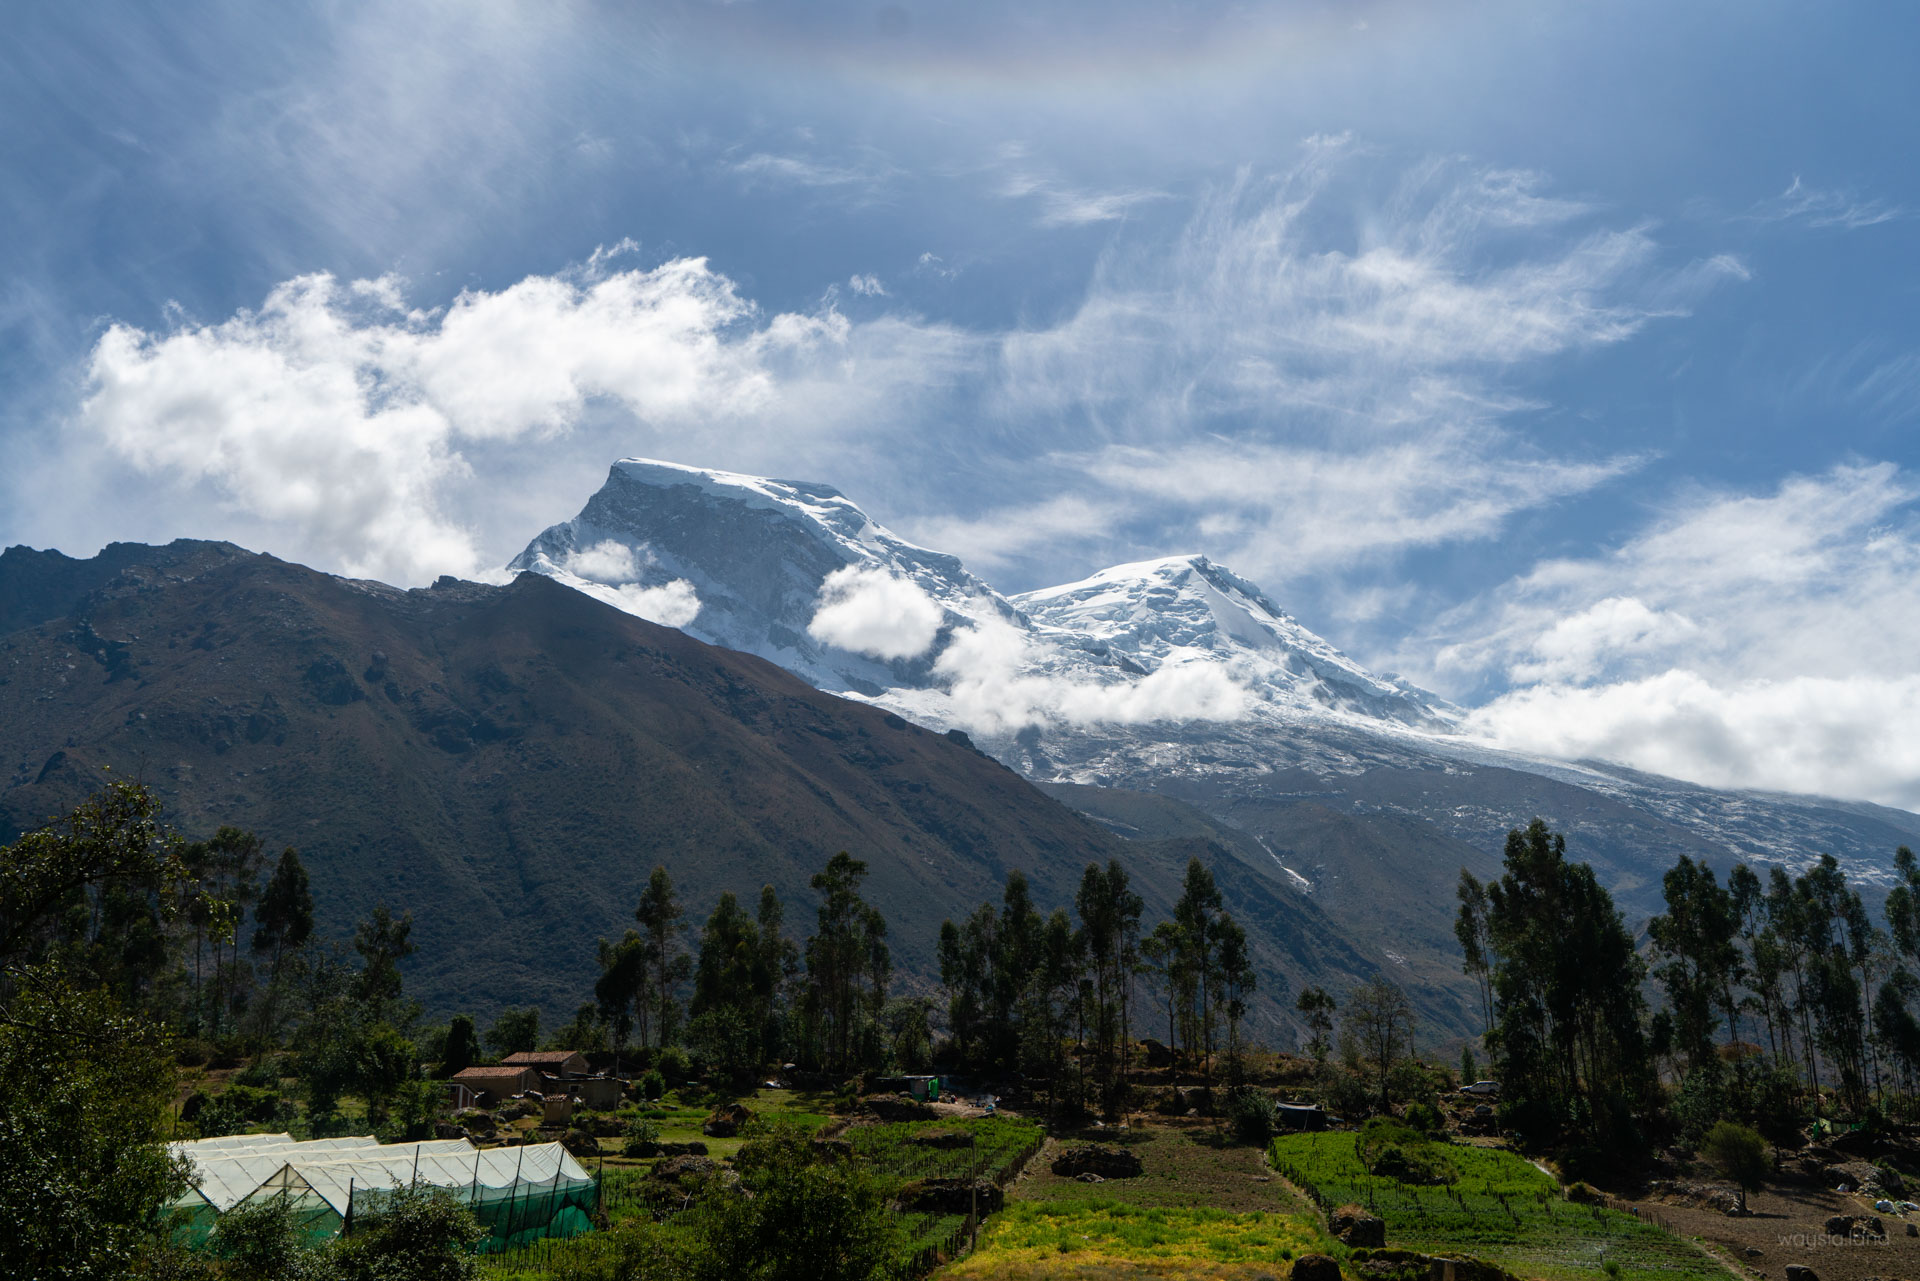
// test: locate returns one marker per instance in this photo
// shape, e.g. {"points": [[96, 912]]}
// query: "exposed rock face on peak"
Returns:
{"points": [[740, 561]]}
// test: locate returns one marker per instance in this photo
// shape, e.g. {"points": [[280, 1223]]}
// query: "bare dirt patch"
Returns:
{"points": [[1787, 1226], [1180, 1166]]}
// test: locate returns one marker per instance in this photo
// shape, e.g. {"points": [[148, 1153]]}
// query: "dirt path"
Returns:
{"points": [[1786, 1226]]}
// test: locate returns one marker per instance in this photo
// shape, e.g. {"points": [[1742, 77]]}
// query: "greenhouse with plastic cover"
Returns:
{"points": [[519, 1194]]}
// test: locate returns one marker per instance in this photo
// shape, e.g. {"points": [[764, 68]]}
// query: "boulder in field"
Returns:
{"points": [[1315, 1267], [727, 1121], [1356, 1227], [1108, 1163]]}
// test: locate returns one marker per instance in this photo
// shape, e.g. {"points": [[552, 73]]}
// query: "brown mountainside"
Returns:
{"points": [[509, 763]]}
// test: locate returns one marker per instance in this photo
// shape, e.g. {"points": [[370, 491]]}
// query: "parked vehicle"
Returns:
{"points": [[1481, 1087]]}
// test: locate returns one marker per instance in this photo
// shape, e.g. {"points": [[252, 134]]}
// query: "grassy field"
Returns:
{"points": [[1179, 1167], [1108, 1238], [1200, 1207], [1495, 1206]]}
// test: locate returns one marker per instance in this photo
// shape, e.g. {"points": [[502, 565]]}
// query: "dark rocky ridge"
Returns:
{"points": [[510, 762]]}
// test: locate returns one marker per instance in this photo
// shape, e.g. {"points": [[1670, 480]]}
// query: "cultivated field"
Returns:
{"points": [[1491, 1204]]}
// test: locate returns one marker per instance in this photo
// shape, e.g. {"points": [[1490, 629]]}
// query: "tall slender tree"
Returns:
{"points": [[620, 991], [847, 959], [660, 915], [1700, 965], [283, 922], [1470, 928], [1376, 1027], [1197, 916], [1110, 924]]}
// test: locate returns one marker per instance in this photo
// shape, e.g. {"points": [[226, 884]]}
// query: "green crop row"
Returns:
{"points": [[998, 1143], [1496, 1206]]}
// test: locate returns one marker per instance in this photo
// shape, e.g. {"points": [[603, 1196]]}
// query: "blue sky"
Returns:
{"points": [[1565, 361]]}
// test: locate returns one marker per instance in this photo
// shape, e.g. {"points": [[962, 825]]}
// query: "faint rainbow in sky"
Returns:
{"points": [[963, 50]]}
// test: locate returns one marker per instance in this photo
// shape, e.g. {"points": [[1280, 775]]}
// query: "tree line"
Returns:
{"points": [[1782, 999]]}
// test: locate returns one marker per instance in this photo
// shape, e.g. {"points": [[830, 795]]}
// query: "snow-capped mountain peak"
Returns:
{"points": [[797, 573], [749, 562], [1184, 609]]}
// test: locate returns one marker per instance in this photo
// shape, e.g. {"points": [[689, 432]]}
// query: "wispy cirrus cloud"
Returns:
{"points": [[862, 177], [1825, 207], [1298, 397], [1061, 203]]}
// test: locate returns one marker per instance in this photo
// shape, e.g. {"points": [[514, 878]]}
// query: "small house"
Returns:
{"points": [[1302, 1116], [491, 1084]]}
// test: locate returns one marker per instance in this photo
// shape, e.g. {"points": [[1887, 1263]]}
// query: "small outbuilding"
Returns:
{"points": [[600, 1093], [1302, 1116], [486, 1086]]}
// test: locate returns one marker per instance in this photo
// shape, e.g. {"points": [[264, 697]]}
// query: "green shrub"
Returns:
{"points": [[653, 1086], [673, 1064], [1392, 1150], [1424, 1117], [260, 1241], [643, 1138], [264, 1072], [1252, 1115], [418, 1234]]}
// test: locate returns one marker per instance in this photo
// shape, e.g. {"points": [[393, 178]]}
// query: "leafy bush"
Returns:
{"points": [[1391, 1150], [850, 1233], [260, 1241], [419, 1234], [264, 1073], [673, 1064], [643, 1138], [1424, 1117], [653, 1085], [1341, 1092], [1252, 1115]]}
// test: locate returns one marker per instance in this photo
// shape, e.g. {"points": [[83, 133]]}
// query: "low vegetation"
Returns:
{"points": [[129, 1015], [1106, 1237], [1490, 1203]]}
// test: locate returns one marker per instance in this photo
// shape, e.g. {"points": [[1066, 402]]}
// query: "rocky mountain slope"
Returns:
{"points": [[510, 762]]}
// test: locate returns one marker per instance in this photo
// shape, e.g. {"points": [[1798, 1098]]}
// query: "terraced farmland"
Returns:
{"points": [[1493, 1205]]}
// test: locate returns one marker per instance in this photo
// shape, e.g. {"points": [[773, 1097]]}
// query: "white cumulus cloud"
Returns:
{"points": [[997, 682], [604, 562], [870, 611], [673, 604], [338, 418], [1741, 639]]}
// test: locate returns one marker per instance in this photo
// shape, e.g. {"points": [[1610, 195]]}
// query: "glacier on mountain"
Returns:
{"points": [[798, 574]]}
